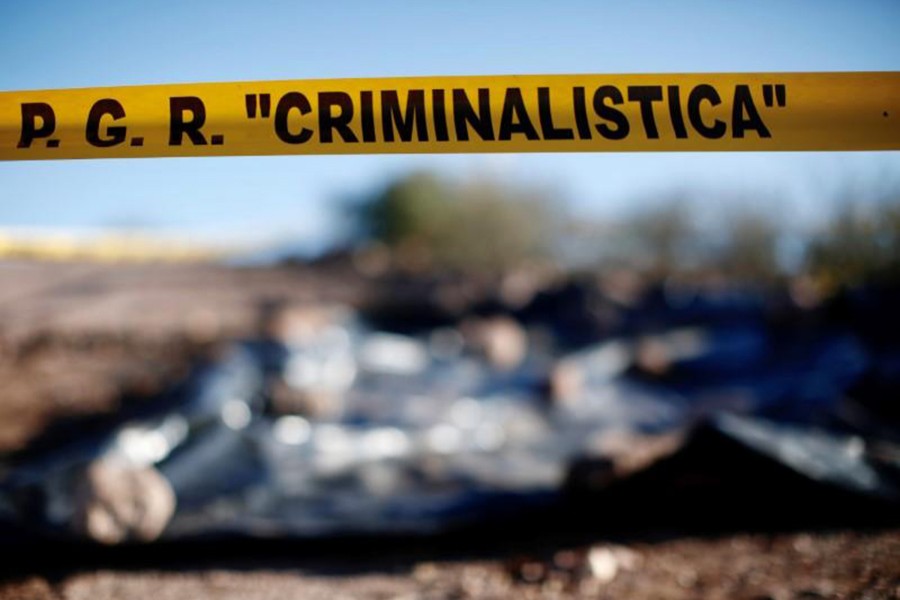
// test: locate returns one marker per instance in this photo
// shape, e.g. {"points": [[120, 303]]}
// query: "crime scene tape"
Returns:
{"points": [[108, 247], [529, 113]]}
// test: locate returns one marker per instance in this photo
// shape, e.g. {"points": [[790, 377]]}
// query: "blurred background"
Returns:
{"points": [[656, 340]]}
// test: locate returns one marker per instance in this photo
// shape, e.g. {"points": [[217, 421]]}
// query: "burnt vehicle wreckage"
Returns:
{"points": [[327, 424]]}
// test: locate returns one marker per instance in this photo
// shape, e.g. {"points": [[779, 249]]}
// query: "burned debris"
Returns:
{"points": [[322, 425]]}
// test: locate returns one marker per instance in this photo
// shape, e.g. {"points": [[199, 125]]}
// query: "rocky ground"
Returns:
{"points": [[837, 564], [78, 341]]}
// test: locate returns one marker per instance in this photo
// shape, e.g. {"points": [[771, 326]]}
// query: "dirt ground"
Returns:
{"points": [[81, 340], [844, 564], [77, 339]]}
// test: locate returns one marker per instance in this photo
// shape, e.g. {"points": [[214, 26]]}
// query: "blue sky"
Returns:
{"points": [[58, 44]]}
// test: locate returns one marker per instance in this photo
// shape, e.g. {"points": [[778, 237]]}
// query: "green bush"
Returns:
{"points": [[476, 227], [860, 245]]}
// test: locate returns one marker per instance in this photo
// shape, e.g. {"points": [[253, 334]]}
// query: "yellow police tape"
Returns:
{"points": [[530, 113], [108, 247]]}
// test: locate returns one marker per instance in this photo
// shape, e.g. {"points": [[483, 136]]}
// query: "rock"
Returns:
{"points": [[117, 503], [566, 382], [501, 340], [296, 323], [319, 403], [605, 562]]}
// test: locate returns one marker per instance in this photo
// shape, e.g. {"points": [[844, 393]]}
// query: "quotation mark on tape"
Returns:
{"points": [[780, 94], [265, 105]]}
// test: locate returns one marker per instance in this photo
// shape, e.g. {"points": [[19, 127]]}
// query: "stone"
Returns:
{"points": [[117, 502]]}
